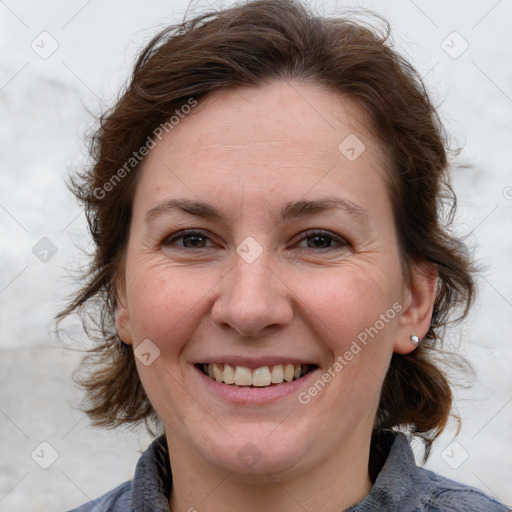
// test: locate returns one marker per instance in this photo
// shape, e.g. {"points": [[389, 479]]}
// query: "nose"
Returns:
{"points": [[253, 299]]}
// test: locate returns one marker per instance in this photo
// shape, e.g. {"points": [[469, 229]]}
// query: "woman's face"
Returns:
{"points": [[292, 258]]}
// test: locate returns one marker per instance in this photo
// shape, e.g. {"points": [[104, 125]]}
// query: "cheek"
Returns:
{"points": [[355, 315], [164, 302], [345, 302], [357, 324]]}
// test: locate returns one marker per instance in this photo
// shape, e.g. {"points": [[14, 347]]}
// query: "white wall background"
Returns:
{"points": [[43, 118]]}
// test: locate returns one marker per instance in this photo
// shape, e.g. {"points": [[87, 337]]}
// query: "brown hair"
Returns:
{"points": [[251, 44]]}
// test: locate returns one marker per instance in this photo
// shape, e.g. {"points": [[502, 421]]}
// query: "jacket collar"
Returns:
{"points": [[395, 475]]}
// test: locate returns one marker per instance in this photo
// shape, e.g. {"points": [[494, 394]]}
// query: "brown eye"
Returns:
{"points": [[193, 241], [323, 240], [189, 240], [319, 242]]}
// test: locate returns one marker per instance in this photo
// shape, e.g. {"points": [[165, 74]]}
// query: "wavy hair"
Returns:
{"points": [[251, 44]]}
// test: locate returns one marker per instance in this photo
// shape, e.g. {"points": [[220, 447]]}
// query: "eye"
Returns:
{"points": [[319, 239], [196, 239], [191, 239]]}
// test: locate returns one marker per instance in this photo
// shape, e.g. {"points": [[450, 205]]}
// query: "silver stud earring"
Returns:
{"points": [[415, 340]]}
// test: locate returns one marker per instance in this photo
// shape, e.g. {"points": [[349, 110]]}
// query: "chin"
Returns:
{"points": [[255, 453]]}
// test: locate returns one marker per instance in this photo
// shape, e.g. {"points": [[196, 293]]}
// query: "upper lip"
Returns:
{"points": [[252, 362]]}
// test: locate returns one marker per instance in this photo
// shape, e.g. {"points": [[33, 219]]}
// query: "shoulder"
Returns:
{"points": [[116, 500], [403, 485], [441, 494]]}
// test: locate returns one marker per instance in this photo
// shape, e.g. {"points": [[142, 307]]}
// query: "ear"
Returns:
{"points": [[418, 304], [122, 313]]}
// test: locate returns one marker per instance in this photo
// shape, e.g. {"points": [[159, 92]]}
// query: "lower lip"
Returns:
{"points": [[254, 395]]}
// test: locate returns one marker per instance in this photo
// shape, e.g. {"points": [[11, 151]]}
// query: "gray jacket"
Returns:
{"points": [[399, 485]]}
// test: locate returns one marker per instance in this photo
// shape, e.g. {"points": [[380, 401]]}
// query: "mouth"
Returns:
{"points": [[262, 377]]}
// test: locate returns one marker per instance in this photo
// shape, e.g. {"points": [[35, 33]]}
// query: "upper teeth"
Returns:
{"points": [[263, 376]]}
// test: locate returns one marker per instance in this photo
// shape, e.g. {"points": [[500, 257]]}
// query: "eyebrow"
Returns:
{"points": [[291, 210]]}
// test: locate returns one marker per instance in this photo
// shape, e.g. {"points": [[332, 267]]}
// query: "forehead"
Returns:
{"points": [[279, 140]]}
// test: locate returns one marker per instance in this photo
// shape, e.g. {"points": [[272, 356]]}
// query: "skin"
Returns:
{"points": [[248, 151]]}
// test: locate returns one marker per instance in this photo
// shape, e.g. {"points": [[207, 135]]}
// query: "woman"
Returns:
{"points": [[271, 270]]}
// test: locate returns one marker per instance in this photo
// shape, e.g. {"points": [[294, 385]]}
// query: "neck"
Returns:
{"points": [[343, 480]]}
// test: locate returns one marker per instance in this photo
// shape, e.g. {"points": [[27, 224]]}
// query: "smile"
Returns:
{"points": [[263, 376]]}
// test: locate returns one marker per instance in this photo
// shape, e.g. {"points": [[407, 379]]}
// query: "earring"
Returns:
{"points": [[415, 340]]}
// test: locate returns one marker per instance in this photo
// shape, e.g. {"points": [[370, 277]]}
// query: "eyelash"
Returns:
{"points": [[307, 234]]}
